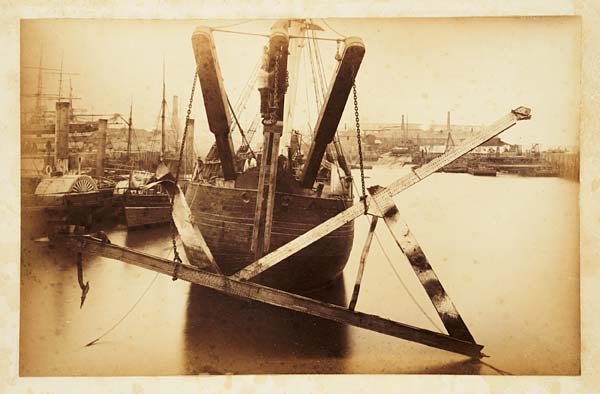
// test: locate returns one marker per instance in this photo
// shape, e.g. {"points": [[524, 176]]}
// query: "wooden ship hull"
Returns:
{"points": [[146, 210], [225, 217], [245, 212]]}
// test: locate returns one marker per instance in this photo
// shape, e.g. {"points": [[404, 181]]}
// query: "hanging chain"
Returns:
{"points": [[276, 81], [360, 154], [176, 258], [185, 128]]}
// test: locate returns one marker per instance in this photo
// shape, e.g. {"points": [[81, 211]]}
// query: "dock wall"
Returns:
{"points": [[567, 163]]}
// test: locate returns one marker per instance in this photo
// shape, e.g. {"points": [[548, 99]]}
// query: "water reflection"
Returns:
{"points": [[464, 367], [225, 334], [145, 237]]}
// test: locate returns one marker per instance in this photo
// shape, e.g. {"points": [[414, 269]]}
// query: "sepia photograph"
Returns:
{"points": [[300, 196]]}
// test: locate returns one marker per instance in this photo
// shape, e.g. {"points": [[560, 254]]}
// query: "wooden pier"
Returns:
{"points": [[567, 163]]}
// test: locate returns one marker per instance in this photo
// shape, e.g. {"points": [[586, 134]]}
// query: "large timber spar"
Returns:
{"points": [[401, 184]]}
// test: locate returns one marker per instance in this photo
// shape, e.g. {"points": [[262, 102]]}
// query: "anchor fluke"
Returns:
{"points": [[84, 290]]}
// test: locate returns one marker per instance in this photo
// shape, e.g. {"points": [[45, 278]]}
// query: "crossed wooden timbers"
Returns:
{"points": [[379, 203]]}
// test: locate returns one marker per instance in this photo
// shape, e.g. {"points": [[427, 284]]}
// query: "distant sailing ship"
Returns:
{"points": [[55, 193]]}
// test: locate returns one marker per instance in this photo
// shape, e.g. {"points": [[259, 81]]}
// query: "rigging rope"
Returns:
{"points": [[267, 35], [126, 314], [321, 91], [404, 286], [316, 88], [233, 24], [306, 91], [242, 100], [253, 127], [240, 128], [319, 62], [332, 29]]}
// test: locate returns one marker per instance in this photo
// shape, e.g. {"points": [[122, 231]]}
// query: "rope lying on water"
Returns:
{"points": [[126, 314], [389, 261], [417, 304]]}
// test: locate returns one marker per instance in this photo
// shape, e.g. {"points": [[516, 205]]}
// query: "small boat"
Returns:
{"points": [[456, 169], [482, 171], [142, 206]]}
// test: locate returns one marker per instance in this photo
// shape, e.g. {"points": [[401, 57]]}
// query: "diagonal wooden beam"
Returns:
{"points": [[275, 297], [361, 264], [333, 107], [346, 216], [194, 243], [215, 98], [407, 242]]}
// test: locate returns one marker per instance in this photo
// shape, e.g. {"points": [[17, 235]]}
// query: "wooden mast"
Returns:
{"points": [[277, 58], [129, 125], [162, 118]]}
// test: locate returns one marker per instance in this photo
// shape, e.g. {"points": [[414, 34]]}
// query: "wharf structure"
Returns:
{"points": [[566, 162], [382, 138]]}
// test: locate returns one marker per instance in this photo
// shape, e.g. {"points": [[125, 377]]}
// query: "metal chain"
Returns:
{"points": [[185, 128], [275, 96], [360, 154], [176, 258]]}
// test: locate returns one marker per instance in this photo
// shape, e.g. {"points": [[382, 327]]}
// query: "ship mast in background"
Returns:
{"points": [[162, 118]]}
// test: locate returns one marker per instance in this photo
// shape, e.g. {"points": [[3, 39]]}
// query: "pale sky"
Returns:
{"points": [[478, 68]]}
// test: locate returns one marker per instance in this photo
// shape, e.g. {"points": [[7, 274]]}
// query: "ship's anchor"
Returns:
{"points": [[85, 288]]}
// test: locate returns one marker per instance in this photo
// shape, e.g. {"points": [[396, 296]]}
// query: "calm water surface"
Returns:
{"points": [[505, 249]]}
